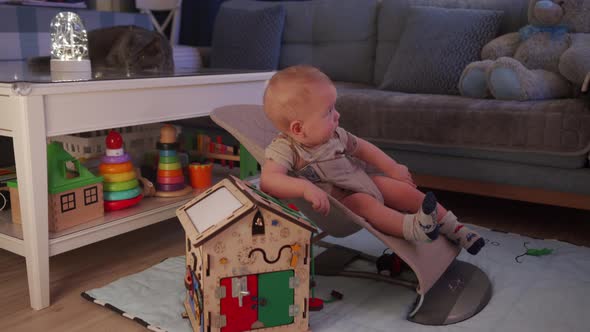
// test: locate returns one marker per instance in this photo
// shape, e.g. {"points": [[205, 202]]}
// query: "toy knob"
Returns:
{"points": [[114, 140]]}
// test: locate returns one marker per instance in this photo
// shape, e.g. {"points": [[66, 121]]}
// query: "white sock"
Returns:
{"points": [[461, 234], [422, 226]]}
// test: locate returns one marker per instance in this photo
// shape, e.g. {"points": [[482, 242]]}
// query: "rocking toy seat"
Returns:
{"points": [[439, 302]]}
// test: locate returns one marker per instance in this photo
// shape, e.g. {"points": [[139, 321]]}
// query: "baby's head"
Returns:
{"points": [[299, 101]]}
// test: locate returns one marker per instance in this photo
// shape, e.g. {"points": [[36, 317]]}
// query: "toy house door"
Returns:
{"points": [[238, 305], [275, 298], [257, 301]]}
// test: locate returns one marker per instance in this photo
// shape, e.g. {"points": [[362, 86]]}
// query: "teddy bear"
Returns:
{"points": [[546, 59]]}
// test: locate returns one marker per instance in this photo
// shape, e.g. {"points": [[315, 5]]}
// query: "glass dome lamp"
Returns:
{"points": [[69, 45]]}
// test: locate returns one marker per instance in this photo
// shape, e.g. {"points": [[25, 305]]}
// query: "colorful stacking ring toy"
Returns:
{"points": [[170, 179], [119, 177], [115, 159], [168, 160], [121, 195], [167, 146], [172, 173], [170, 187], [118, 205], [115, 168], [169, 167], [167, 153], [120, 186]]}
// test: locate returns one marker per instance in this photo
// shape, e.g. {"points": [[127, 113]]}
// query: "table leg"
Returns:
{"points": [[30, 150]]}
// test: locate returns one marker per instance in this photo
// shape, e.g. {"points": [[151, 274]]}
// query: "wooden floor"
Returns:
{"points": [[101, 263]]}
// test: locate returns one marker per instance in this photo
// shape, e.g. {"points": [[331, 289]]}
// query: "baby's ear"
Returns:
{"points": [[296, 127]]}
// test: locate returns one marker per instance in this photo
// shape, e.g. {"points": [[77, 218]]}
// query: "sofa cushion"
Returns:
{"points": [[393, 13], [436, 45], [247, 39], [546, 132], [321, 31]]}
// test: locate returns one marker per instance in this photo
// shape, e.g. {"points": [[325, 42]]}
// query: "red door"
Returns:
{"points": [[239, 305]]}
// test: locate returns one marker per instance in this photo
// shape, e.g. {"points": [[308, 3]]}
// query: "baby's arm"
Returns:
{"points": [[374, 156], [275, 181]]}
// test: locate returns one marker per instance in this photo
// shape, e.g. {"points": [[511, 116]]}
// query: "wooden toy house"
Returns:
{"points": [[75, 194], [248, 261]]}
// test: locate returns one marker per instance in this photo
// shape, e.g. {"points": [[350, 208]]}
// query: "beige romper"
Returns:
{"points": [[330, 166]]}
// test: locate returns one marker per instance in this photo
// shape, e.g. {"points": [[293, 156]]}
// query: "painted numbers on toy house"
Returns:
{"points": [[248, 261]]}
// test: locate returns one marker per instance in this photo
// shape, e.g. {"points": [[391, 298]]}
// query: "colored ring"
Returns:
{"points": [[119, 177], [170, 187], [168, 160], [121, 195], [115, 168], [170, 179], [169, 174], [116, 160], [167, 153], [169, 167], [115, 152], [167, 146], [120, 186], [118, 205]]}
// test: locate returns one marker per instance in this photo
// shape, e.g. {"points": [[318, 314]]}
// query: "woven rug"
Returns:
{"points": [[541, 293]]}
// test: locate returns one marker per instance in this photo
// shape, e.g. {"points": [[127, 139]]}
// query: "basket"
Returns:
{"points": [[88, 145]]}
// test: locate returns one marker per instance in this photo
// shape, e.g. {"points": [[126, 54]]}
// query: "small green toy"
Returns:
{"points": [[533, 252]]}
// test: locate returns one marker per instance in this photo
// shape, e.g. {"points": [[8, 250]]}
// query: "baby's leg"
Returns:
{"points": [[420, 226], [461, 234], [403, 197]]}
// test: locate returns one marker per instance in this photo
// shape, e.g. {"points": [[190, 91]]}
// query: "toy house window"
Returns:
{"points": [[258, 224], [90, 195], [68, 202], [72, 169]]}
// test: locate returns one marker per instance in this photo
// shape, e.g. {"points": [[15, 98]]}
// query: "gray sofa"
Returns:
{"points": [[534, 151]]}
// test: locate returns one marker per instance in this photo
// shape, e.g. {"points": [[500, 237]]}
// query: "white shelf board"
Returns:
{"points": [[149, 211]]}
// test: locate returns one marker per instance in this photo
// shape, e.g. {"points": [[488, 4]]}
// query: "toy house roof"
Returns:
{"points": [[60, 177], [251, 198]]}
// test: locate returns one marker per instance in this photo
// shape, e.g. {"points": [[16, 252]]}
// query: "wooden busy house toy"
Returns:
{"points": [[248, 261]]}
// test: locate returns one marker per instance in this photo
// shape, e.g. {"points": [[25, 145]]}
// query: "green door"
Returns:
{"points": [[274, 298]]}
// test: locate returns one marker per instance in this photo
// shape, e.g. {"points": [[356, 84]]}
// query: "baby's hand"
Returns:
{"points": [[402, 173], [317, 197]]}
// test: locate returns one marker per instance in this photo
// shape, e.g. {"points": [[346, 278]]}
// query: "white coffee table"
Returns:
{"points": [[33, 107]]}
